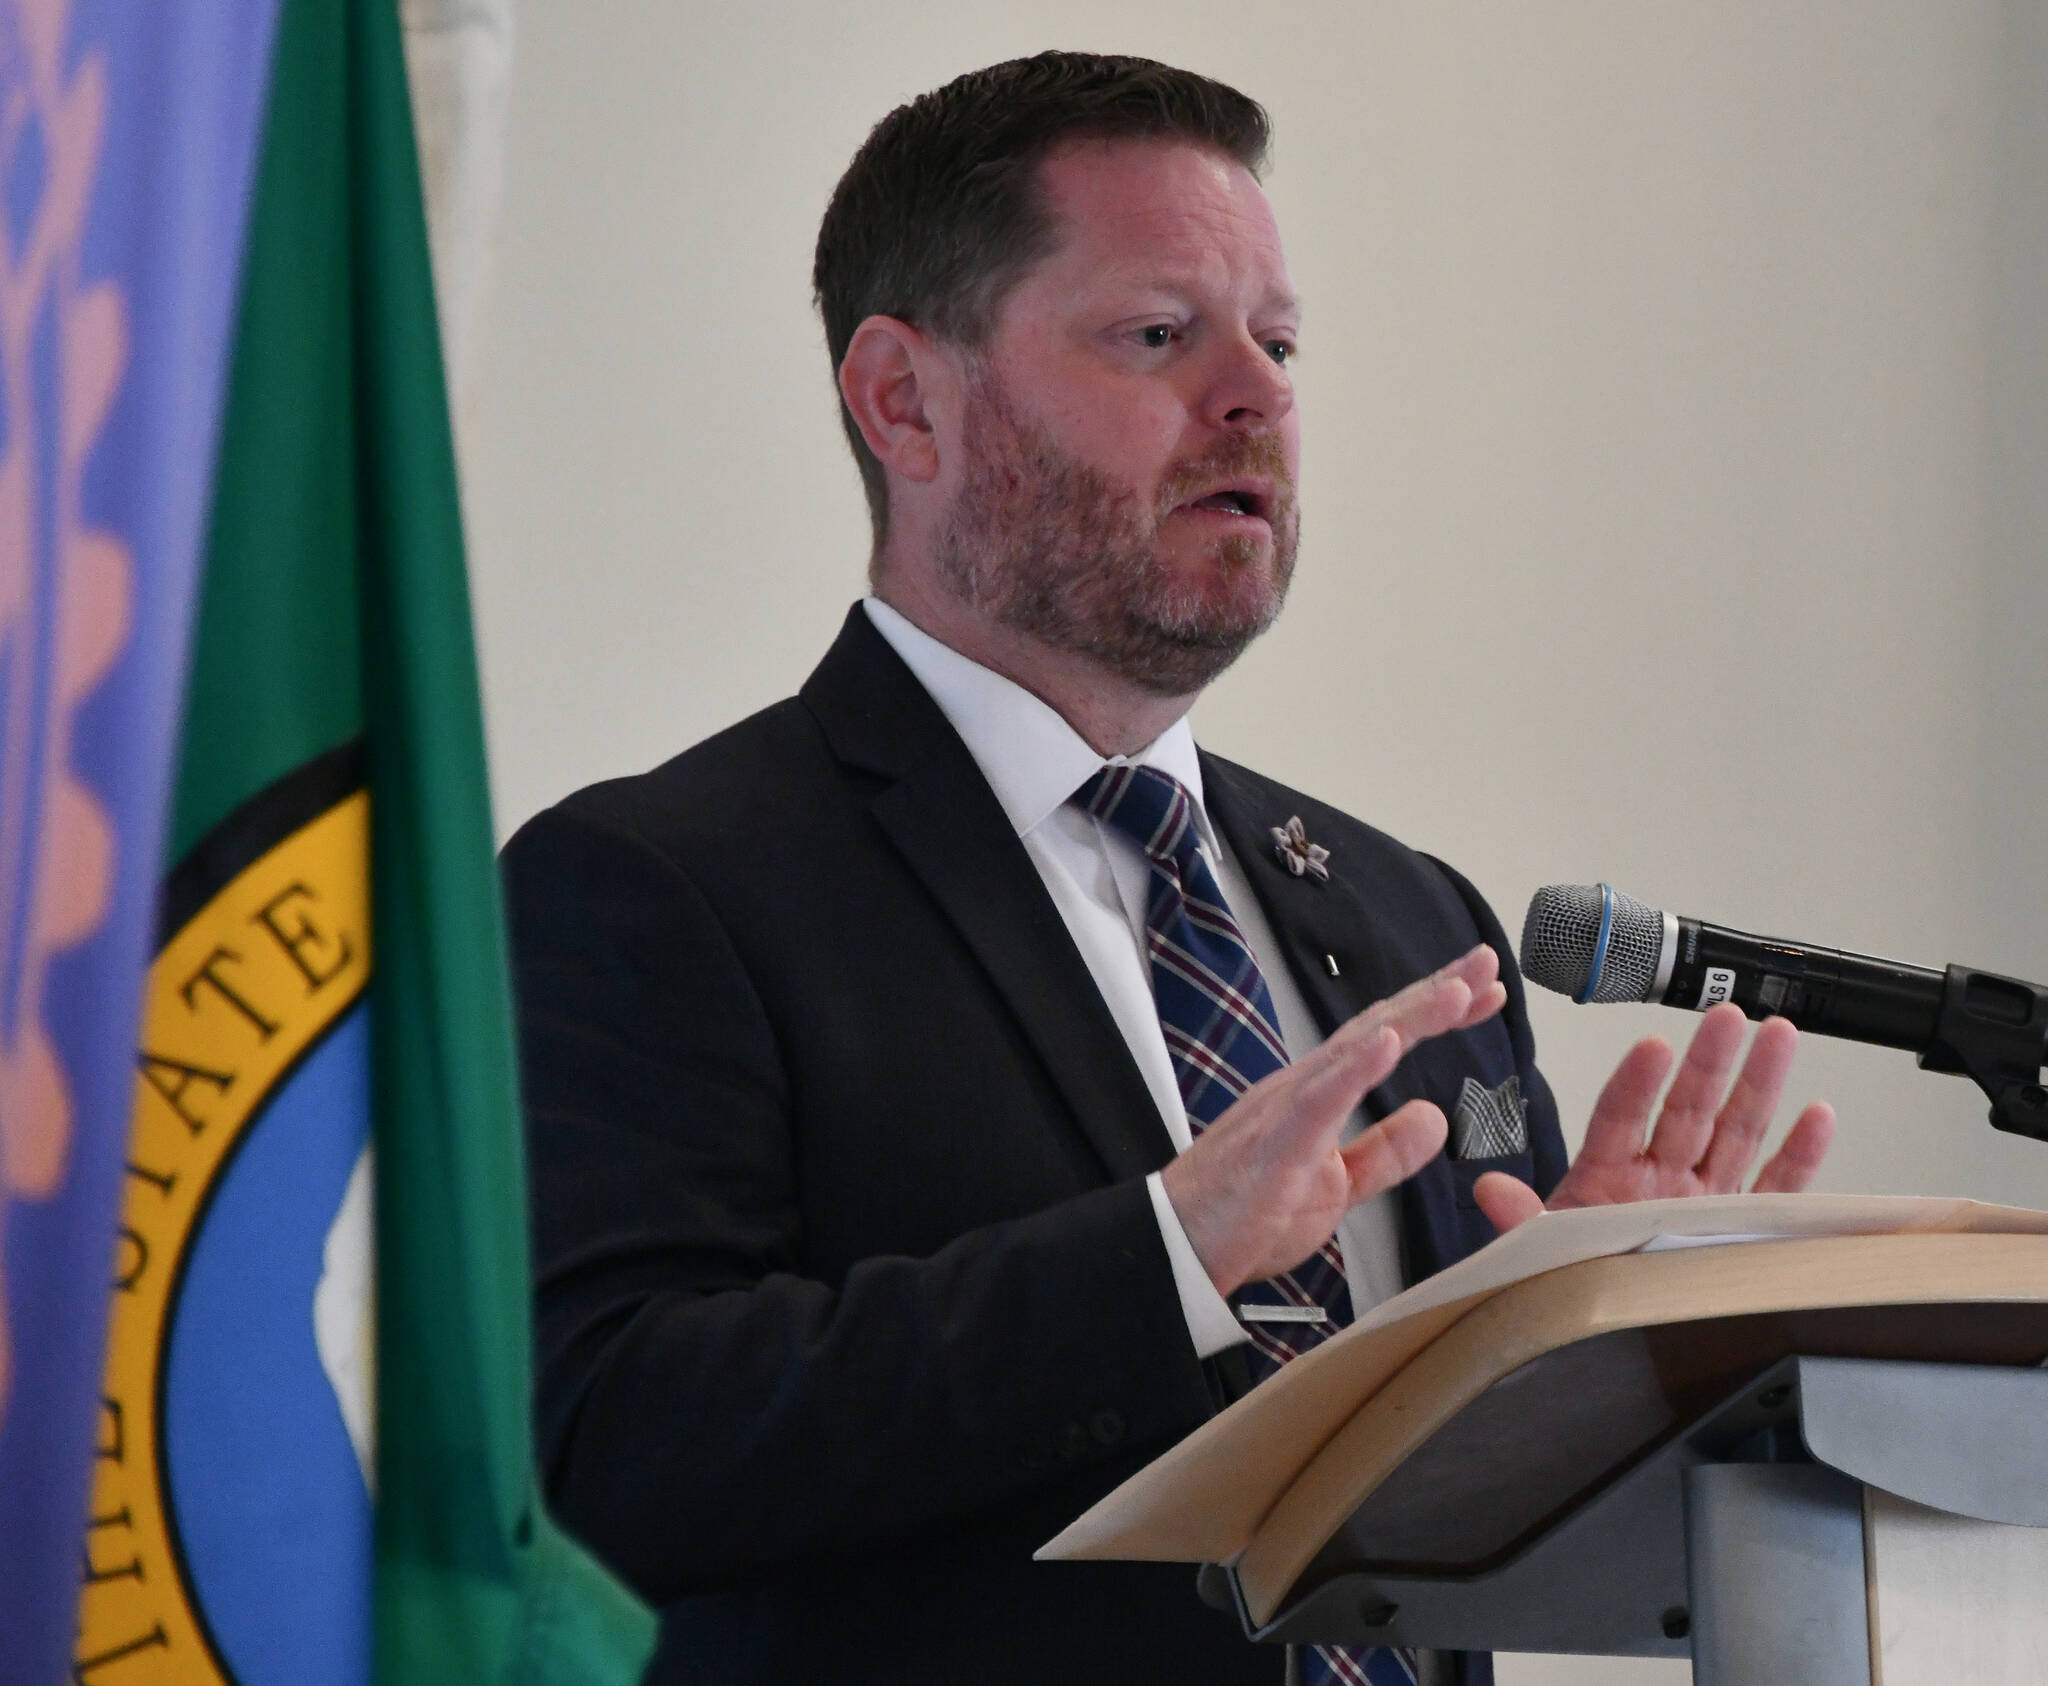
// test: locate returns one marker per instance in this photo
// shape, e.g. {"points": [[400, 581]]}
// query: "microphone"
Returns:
{"points": [[1595, 944]]}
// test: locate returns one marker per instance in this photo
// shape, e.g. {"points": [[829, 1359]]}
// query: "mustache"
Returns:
{"points": [[1257, 454]]}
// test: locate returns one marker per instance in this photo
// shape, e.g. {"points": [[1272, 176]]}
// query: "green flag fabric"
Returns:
{"points": [[328, 1016]]}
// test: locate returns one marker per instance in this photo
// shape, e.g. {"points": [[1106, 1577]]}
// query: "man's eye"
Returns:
{"points": [[1281, 351], [1158, 336]]}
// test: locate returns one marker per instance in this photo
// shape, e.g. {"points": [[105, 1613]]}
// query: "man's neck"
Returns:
{"points": [[1112, 716]]}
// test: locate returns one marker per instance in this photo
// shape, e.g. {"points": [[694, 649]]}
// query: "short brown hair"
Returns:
{"points": [[939, 214]]}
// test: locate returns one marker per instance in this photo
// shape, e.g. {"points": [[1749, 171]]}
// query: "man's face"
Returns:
{"points": [[1129, 445]]}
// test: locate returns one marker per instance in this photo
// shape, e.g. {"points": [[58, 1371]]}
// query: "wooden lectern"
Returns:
{"points": [[1798, 1438]]}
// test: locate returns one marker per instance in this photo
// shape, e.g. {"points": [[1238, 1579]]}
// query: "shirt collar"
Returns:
{"points": [[1032, 759]]}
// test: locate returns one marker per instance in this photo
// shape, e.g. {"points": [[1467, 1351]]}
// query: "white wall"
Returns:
{"points": [[1676, 448]]}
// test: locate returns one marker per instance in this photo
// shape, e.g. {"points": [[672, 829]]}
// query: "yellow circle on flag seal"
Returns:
{"points": [[229, 1536]]}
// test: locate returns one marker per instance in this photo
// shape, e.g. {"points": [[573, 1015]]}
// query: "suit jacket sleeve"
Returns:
{"points": [[709, 1401]]}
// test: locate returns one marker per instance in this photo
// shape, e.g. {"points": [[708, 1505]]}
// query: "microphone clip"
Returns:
{"points": [[1994, 1030]]}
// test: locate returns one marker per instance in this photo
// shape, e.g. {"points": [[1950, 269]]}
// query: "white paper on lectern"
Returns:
{"points": [[1553, 1240]]}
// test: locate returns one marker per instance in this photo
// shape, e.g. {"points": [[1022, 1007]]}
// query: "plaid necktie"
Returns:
{"points": [[1223, 1036]]}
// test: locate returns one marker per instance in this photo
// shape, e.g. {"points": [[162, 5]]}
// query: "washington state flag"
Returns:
{"points": [[311, 1460]]}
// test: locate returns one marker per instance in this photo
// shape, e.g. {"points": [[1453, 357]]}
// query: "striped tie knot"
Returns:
{"points": [[1151, 808]]}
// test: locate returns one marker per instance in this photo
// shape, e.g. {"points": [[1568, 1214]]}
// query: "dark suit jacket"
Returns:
{"points": [[850, 1293]]}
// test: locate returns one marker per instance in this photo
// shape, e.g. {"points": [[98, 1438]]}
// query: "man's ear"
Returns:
{"points": [[889, 378]]}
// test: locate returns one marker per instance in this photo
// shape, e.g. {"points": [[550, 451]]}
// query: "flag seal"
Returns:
{"points": [[241, 1321]]}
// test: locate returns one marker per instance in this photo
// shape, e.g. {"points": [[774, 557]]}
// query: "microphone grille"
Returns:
{"points": [[1562, 934]]}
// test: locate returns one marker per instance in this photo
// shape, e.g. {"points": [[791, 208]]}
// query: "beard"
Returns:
{"points": [[1047, 544]]}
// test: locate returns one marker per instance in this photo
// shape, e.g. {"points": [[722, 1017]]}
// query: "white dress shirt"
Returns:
{"points": [[1099, 880]]}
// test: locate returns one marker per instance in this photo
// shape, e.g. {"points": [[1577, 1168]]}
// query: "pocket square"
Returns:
{"points": [[1489, 1123]]}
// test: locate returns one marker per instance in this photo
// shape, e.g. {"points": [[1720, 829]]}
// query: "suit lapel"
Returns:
{"points": [[936, 808], [1312, 919]]}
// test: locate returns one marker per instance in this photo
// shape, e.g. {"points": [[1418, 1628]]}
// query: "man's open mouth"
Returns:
{"points": [[1237, 500]]}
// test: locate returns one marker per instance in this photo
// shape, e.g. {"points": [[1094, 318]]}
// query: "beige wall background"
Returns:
{"points": [[1677, 452]]}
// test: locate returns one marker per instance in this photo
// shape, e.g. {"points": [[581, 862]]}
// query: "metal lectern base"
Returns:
{"points": [[1775, 1566]]}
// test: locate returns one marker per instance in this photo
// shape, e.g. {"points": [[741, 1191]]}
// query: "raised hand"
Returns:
{"points": [[1264, 1185], [1706, 1135]]}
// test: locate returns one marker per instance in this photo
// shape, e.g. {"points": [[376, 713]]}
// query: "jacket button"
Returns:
{"points": [[1107, 1426], [1074, 1443], [1038, 1457]]}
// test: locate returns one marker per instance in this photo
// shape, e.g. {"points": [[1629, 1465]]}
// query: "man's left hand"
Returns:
{"points": [[1706, 1134]]}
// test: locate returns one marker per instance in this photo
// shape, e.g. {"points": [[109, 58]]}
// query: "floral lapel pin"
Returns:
{"points": [[1297, 853]]}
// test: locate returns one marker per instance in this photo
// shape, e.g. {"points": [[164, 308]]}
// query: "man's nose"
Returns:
{"points": [[1247, 388]]}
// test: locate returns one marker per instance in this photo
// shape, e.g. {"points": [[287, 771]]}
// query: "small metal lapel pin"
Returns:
{"points": [[1297, 853]]}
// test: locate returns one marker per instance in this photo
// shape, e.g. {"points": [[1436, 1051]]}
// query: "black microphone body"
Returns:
{"points": [[1827, 990]]}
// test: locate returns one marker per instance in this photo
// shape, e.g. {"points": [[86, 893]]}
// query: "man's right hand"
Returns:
{"points": [[1266, 1184]]}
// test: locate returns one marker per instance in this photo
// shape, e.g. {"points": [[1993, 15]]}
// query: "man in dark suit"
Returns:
{"points": [[883, 1220]]}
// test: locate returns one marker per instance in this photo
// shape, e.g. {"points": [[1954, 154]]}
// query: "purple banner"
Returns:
{"points": [[128, 142]]}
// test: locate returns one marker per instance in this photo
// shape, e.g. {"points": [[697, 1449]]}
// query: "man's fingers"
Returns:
{"points": [[1479, 970], [1506, 1201], [1394, 1149], [1323, 1089], [1485, 1003], [1751, 1104], [1331, 1082], [1356, 1058], [1432, 1005], [1478, 966], [1614, 1136], [1798, 1158], [1426, 1008], [1685, 1125]]}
